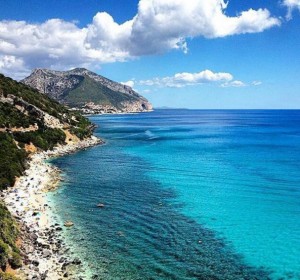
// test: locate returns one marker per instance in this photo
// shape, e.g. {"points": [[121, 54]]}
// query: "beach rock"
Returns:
{"points": [[76, 261], [33, 236], [64, 266], [46, 253], [44, 275], [46, 246], [61, 260], [35, 263]]}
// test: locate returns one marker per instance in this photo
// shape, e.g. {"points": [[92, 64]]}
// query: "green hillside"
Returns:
{"points": [[89, 90]]}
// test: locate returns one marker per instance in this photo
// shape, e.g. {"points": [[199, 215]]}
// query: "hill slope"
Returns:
{"points": [[84, 89], [29, 121]]}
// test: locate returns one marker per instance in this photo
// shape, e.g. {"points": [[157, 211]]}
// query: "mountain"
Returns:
{"points": [[29, 121], [81, 88]]}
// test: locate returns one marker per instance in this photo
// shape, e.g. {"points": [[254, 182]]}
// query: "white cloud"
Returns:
{"points": [[184, 79], [235, 83], [180, 80], [159, 26], [291, 5], [256, 83], [128, 83]]}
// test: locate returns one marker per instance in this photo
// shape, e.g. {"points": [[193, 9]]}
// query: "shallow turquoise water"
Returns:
{"points": [[188, 195]]}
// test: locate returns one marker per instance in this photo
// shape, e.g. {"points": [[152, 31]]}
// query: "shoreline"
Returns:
{"points": [[43, 249]]}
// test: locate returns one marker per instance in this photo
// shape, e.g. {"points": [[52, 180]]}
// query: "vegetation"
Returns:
{"points": [[12, 117], [32, 96], [7, 276], [12, 162], [9, 253], [45, 139], [88, 90]]}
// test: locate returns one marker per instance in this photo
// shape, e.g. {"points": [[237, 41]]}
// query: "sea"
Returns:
{"points": [[187, 194]]}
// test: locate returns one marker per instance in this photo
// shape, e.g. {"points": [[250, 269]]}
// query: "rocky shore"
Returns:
{"points": [[45, 255]]}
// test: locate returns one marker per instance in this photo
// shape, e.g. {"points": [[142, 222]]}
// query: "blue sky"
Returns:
{"points": [[193, 54]]}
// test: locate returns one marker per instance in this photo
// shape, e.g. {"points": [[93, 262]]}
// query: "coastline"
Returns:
{"points": [[44, 253]]}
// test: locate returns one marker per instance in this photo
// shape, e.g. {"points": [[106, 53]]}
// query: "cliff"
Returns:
{"points": [[83, 89]]}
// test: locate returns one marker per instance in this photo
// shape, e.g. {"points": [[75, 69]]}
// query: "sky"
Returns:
{"points": [[198, 54]]}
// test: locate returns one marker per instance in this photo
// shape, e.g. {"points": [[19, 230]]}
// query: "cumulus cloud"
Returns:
{"points": [[291, 5], [165, 24], [158, 26], [180, 80]]}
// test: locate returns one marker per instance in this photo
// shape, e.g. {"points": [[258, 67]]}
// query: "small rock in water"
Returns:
{"points": [[68, 224]]}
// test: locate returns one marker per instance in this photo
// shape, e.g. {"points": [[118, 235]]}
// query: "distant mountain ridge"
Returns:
{"points": [[87, 90]]}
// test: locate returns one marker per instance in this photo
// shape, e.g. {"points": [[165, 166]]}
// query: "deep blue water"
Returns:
{"points": [[188, 194]]}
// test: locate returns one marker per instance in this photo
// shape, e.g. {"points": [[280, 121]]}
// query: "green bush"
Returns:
{"points": [[7, 276], [8, 236], [12, 117], [45, 139], [15, 260], [12, 163], [4, 251], [9, 231]]}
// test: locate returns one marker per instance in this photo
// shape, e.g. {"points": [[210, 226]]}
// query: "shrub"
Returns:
{"points": [[4, 251], [7, 276], [15, 260], [45, 139], [12, 162]]}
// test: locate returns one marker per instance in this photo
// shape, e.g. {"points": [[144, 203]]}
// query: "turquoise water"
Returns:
{"points": [[188, 194]]}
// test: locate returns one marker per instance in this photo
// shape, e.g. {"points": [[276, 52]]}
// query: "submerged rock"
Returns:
{"points": [[68, 224]]}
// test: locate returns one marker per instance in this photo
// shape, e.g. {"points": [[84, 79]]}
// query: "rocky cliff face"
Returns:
{"points": [[81, 88]]}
